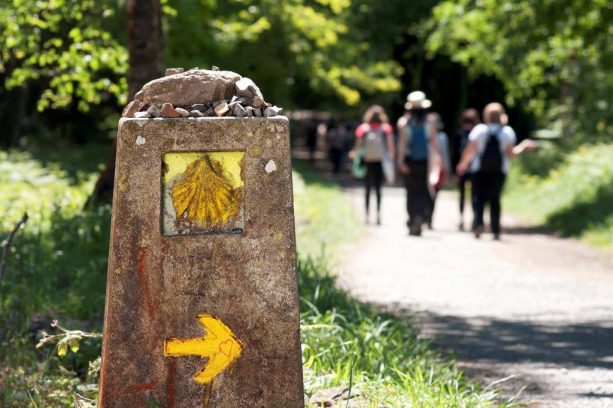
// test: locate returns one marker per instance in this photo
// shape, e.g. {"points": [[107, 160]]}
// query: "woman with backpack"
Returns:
{"points": [[418, 159], [469, 119], [374, 140], [491, 145]]}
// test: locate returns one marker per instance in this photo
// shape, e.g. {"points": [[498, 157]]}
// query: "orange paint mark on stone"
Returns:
{"points": [[170, 384], [134, 389], [142, 282]]}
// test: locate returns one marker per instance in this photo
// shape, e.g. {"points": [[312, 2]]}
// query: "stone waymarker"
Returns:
{"points": [[202, 304]]}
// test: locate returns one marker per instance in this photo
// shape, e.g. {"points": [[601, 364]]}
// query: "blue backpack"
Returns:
{"points": [[418, 140]]}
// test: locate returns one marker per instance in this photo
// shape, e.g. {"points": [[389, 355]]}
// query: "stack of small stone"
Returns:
{"points": [[246, 100]]}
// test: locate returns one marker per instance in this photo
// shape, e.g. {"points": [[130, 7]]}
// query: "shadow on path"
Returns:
{"points": [[583, 345]]}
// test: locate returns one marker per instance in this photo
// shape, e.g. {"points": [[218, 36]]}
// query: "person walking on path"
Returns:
{"points": [[418, 159], [487, 155], [434, 119], [339, 139], [469, 119], [374, 140]]}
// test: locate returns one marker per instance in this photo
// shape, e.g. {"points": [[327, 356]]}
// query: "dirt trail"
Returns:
{"points": [[532, 305]]}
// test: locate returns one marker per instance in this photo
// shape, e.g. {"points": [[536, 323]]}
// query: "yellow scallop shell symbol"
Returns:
{"points": [[204, 195]]}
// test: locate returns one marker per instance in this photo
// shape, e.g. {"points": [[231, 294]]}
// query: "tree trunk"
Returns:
{"points": [[146, 52], [12, 114]]}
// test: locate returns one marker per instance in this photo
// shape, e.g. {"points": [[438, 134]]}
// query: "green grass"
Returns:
{"points": [[57, 267], [570, 193], [325, 219]]}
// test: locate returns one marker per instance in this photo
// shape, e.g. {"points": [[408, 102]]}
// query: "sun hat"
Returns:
{"points": [[417, 100]]}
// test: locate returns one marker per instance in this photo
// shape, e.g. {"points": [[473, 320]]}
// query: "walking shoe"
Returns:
{"points": [[461, 226], [477, 231], [497, 237], [378, 219], [415, 231], [415, 227]]}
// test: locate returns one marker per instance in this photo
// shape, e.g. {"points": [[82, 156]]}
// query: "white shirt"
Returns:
{"points": [[506, 137]]}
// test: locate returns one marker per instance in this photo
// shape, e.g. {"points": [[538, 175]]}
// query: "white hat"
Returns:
{"points": [[417, 100]]}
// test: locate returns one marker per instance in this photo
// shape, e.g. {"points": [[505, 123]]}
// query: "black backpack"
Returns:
{"points": [[491, 158]]}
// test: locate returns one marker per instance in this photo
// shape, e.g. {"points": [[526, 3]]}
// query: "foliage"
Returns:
{"points": [[554, 56], [325, 220], [63, 45], [311, 46], [570, 193]]}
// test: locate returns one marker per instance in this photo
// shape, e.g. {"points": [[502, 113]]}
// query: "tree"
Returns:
{"points": [[554, 55], [59, 53], [146, 50], [301, 53]]}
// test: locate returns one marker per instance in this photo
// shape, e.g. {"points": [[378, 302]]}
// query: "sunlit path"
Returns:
{"points": [[531, 305]]}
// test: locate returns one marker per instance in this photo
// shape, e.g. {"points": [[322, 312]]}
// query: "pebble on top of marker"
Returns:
{"points": [[200, 93]]}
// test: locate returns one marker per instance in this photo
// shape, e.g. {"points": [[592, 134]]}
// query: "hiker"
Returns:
{"points": [[469, 119], [434, 119], [418, 159], [374, 139], [339, 139], [486, 156]]}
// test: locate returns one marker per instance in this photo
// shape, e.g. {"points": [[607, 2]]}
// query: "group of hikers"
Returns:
{"points": [[423, 155]]}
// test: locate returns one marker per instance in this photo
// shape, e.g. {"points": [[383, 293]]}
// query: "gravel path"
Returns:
{"points": [[533, 306]]}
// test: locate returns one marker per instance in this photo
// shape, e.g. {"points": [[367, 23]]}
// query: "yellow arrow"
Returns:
{"points": [[218, 345]]}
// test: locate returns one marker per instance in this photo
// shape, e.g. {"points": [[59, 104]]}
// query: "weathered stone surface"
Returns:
{"points": [[196, 113], [157, 284], [250, 111], [142, 115], [168, 111], [130, 110], [246, 88], [222, 109], [182, 112], [218, 102], [188, 88], [258, 102], [154, 111], [199, 106], [257, 111], [239, 111], [272, 111], [210, 112], [173, 71]]}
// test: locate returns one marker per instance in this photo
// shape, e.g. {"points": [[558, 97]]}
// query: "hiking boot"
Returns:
{"points": [[415, 227], [415, 231]]}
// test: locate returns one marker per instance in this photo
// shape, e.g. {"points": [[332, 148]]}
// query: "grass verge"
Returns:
{"points": [[570, 193], [57, 269]]}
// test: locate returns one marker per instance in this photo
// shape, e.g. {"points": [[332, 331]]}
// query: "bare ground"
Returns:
{"points": [[532, 306]]}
